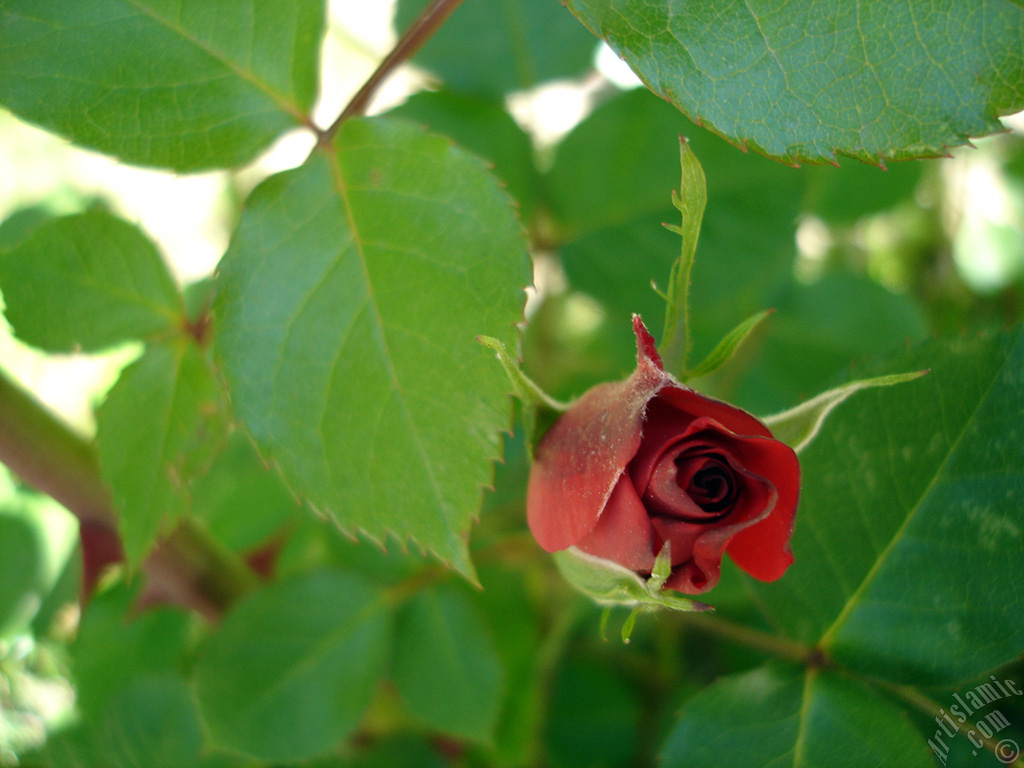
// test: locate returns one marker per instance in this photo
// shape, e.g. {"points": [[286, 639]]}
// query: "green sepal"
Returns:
{"points": [[690, 201], [798, 426], [539, 409], [727, 347], [608, 583]]}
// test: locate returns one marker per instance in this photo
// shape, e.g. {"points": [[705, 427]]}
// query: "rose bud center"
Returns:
{"points": [[692, 483]]}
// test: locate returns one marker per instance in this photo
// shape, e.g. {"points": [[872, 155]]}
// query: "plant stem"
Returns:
{"points": [[775, 645], [422, 29], [186, 567], [932, 708]]}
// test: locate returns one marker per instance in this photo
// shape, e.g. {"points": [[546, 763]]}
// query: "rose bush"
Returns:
{"points": [[636, 464]]}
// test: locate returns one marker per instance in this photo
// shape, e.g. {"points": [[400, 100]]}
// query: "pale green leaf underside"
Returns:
{"points": [[909, 533], [779, 716], [87, 282], [173, 83], [317, 644], [158, 421], [871, 79], [446, 667], [348, 309]]}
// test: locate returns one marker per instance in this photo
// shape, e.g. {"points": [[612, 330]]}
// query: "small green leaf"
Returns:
{"points": [[798, 426], [160, 423], [490, 47], [779, 716], [318, 644], [727, 347], [446, 666], [162, 82], [87, 282], [690, 201], [347, 313], [808, 81]]}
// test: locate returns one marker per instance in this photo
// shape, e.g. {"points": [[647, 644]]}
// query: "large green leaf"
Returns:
{"points": [[783, 717], [153, 722], [160, 422], [489, 47], [348, 307], [872, 79], [183, 85], [909, 532], [86, 282], [292, 668], [446, 667]]}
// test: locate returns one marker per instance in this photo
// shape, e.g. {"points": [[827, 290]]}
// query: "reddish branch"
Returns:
{"points": [[186, 567]]}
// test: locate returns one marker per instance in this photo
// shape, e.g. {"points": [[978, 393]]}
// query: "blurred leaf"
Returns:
{"points": [[485, 129], [806, 81], [783, 716], [348, 309], [87, 281], [242, 501], [843, 195], [817, 331], [153, 722], [489, 47], [446, 667], [180, 85], [21, 557], [160, 423], [909, 529], [292, 668], [115, 646], [727, 347], [594, 716]]}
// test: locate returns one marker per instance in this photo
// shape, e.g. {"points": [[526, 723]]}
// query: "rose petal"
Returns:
{"points": [[586, 451], [624, 533]]}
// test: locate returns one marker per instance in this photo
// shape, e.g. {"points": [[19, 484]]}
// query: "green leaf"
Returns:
{"points": [[319, 642], [160, 423], [162, 82], [782, 716], [87, 282], [153, 722], [798, 426], [875, 79], [489, 47], [348, 309], [116, 645], [910, 519], [691, 200], [20, 553], [484, 128], [446, 666]]}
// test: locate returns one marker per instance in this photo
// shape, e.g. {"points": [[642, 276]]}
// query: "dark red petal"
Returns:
{"points": [[762, 550], [734, 419], [586, 451], [623, 534]]}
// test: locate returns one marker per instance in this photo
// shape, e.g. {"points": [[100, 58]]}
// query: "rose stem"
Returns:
{"points": [[186, 566], [422, 29], [776, 645]]}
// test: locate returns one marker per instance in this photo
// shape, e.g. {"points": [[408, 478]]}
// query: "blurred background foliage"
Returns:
{"points": [[855, 261]]}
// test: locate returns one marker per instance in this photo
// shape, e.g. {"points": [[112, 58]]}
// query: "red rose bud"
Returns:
{"points": [[636, 464]]}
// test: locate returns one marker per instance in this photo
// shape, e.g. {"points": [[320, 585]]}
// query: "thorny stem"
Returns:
{"points": [[186, 567], [421, 30]]}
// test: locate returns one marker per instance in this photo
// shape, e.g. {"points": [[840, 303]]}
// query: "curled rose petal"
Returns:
{"points": [[636, 464]]}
